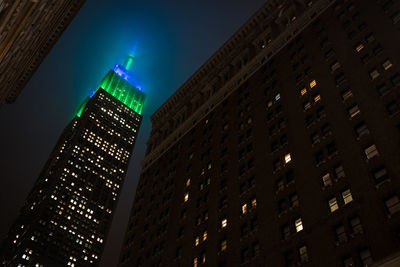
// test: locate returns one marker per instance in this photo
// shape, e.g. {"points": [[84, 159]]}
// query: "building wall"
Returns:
{"points": [[28, 30], [309, 132]]}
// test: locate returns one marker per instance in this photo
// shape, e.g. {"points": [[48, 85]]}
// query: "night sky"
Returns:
{"points": [[171, 40]]}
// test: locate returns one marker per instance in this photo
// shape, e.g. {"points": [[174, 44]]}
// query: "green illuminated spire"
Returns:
{"points": [[128, 62], [118, 83]]}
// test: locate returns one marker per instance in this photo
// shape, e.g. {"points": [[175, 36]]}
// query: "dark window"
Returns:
{"points": [[356, 226], [340, 78], [331, 148], [392, 108], [393, 204], [319, 157], [366, 258], [348, 262], [382, 89], [380, 174], [361, 129], [378, 50], [341, 234]]}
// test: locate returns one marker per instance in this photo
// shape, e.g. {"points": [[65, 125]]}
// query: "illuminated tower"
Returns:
{"points": [[67, 215]]}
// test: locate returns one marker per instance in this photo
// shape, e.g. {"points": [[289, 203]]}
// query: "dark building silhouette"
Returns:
{"points": [[282, 149], [28, 30], [68, 213]]}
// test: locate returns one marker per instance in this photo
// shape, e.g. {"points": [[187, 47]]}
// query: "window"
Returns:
{"points": [[294, 200], [356, 225], [366, 258], [382, 89], [353, 111], [339, 171], [186, 198], [277, 97], [380, 175], [280, 184], [314, 138], [188, 182], [326, 179], [195, 262], [335, 65], [359, 47], [395, 79], [331, 148], [346, 94], [387, 64], [396, 17], [317, 98], [204, 235], [370, 38], [361, 130], [223, 245], [196, 241], [378, 50], [244, 208], [341, 234], [245, 255], [319, 157], [285, 232], [373, 74], [347, 197], [340, 78], [392, 108], [307, 105], [253, 202], [203, 257], [333, 204], [393, 204], [303, 91], [255, 249], [348, 262], [224, 223], [303, 254], [313, 83], [371, 151], [298, 224], [287, 158]]}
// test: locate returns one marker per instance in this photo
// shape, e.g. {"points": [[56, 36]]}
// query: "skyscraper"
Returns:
{"points": [[68, 213], [28, 30], [282, 149]]}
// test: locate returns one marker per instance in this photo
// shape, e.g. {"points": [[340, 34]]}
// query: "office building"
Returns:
{"points": [[68, 213], [282, 149], [28, 31]]}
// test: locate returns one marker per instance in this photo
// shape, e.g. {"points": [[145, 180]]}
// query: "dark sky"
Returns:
{"points": [[171, 39]]}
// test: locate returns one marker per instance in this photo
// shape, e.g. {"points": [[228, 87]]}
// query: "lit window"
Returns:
{"points": [[224, 223], [326, 179], [333, 204], [387, 64], [371, 151], [353, 111], [303, 254], [223, 245], [359, 47], [287, 158], [205, 236], [393, 204], [277, 97], [298, 224], [196, 241], [186, 198], [253, 202], [188, 182], [317, 98], [269, 104], [373, 74], [244, 208], [335, 66], [347, 197], [303, 91], [307, 105], [203, 257], [195, 262], [313, 83]]}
